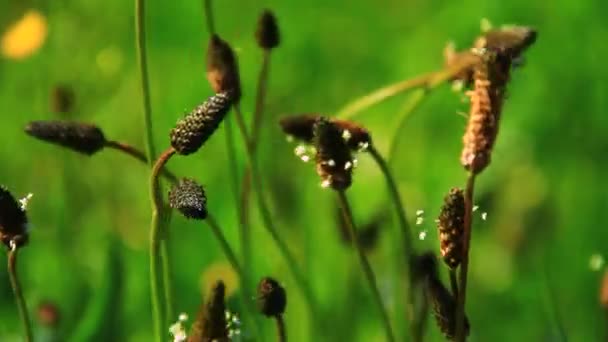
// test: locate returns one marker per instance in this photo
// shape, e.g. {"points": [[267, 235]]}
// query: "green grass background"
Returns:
{"points": [[545, 192]]}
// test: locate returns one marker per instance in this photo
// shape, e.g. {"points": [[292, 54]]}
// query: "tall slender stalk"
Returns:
{"points": [[281, 331], [365, 266], [209, 14], [406, 232], [454, 282], [21, 306], [410, 106], [464, 266], [157, 231], [139, 155]]}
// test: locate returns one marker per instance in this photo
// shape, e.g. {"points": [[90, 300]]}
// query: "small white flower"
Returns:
{"points": [[348, 165], [183, 317], [346, 135], [422, 235], [419, 212], [419, 220], [484, 216], [25, 201], [325, 183], [475, 207], [331, 162]]}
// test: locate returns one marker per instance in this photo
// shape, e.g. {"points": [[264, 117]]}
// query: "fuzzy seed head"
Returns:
{"points": [[191, 132], [210, 324], [223, 68], [332, 155], [451, 227], [267, 34], [13, 220], [301, 127], [444, 308], [272, 298], [356, 137], [80, 137], [188, 197], [509, 41]]}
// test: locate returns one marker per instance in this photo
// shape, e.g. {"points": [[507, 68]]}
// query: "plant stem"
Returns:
{"points": [[454, 282], [21, 306], [142, 59], [157, 230], [550, 300], [412, 103], [406, 232], [240, 122], [464, 266], [217, 231], [367, 270], [209, 15], [166, 267], [260, 98], [139, 155], [429, 80], [281, 331]]}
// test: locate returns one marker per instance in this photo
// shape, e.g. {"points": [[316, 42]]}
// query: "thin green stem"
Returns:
{"points": [[410, 106], [365, 266], [157, 231], [550, 300], [454, 282], [139, 155], [464, 265], [142, 59], [209, 14], [21, 306], [217, 231], [260, 98], [165, 258], [240, 122]]}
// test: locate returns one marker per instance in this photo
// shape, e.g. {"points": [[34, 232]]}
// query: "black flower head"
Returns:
{"points": [[189, 198], [191, 132], [13, 220], [444, 308], [272, 298], [223, 68], [267, 34], [210, 324], [451, 227], [301, 127], [80, 137], [333, 157]]}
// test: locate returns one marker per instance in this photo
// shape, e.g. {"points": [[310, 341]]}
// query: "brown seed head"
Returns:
{"points": [[301, 127], [272, 298], [451, 227], [191, 132], [189, 198], [333, 157], [509, 41], [210, 324], [267, 34], [223, 68], [80, 137], [13, 220], [444, 308]]}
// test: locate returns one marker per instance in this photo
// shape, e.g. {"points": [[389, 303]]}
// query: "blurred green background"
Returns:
{"points": [[544, 193]]}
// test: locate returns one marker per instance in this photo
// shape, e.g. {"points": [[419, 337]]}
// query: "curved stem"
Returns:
{"points": [[365, 266], [260, 98], [429, 80], [139, 155], [21, 306], [209, 15], [156, 236], [464, 266], [281, 331], [165, 258], [240, 122], [142, 59], [413, 102], [217, 231]]}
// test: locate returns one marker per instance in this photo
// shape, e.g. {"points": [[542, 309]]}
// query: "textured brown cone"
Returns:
{"points": [[80, 137], [267, 33], [223, 69], [188, 197], [191, 132], [509, 41], [333, 157], [301, 127], [272, 298], [13, 220], [444, 308], [451, 227], [210, 324]]}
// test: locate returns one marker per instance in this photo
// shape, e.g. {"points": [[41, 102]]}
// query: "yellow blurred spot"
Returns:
{"points": [[25, 36], [220, 270]]}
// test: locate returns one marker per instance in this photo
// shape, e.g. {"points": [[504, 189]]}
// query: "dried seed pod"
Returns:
{"points": [[210, 324], [80, 137], [444, 308], [272, 298], [267, 34], [301, 127], [13, 220], [451, 227], [62, 99], [191, 132], [490, 80], [189, 198], [333, 157], [223, 68], [509, 41]]}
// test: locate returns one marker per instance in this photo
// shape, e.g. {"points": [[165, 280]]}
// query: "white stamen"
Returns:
{"points": [[346, 135]]}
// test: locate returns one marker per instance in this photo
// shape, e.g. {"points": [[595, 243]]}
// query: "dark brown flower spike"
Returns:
{"points": [[267, 34], [333, 157], [222, 68], [272, 298], [509, 41], [80, 137], [444, 308], [191, 132], [451, 227], [210, 324], [301, 128], [13, 220], [188, 197]]}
